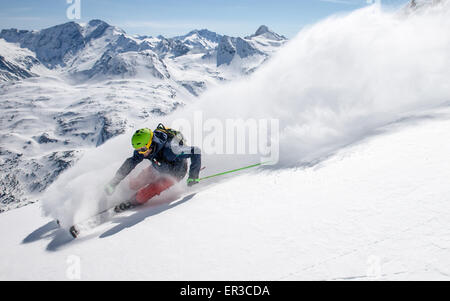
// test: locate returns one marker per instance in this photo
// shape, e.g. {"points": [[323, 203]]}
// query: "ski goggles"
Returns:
{"points": [[144, 149]]}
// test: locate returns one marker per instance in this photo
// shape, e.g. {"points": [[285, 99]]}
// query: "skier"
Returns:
{"points": [[168, 156]]}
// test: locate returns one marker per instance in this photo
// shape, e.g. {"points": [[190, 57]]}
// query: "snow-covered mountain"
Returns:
{"points": [[260, 44], [264, 32], [90, 82], [17, 63], [200, 40], [85, 49]]}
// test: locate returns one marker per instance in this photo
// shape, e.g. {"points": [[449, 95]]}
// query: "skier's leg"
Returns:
{"points": [[145, 177], [153, 189]]}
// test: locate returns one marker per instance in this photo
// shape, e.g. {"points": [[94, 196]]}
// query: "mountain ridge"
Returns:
{"points": [[58, 46]]}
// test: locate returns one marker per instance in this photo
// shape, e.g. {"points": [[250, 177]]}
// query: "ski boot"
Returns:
{"points": [[122, 207], [126, 205], [74, 231]]}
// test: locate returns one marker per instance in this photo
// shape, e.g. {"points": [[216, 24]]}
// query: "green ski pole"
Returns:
{"points": [[230, 171]]}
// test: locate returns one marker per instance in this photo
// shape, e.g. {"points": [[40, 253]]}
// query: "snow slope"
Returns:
{"points": [[376, 210], [18, 63]]}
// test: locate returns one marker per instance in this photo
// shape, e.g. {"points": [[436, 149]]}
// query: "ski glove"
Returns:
{"points": [[109, 189], [191, 182]]}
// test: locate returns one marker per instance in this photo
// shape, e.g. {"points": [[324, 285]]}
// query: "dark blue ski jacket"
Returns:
{"points": [[168, 158]]}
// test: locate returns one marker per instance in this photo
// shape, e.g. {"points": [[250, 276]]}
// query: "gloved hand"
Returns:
{"points": [[109, 189], [191, 182]]}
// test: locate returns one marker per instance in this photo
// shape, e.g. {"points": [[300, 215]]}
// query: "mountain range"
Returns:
{"points": [[97, 49]]}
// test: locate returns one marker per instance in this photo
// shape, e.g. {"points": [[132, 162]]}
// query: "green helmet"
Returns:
{"points": [[141, 138]]}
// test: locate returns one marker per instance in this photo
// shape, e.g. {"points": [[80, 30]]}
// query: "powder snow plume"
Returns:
{"points": [[335, 83], [339, 80]]}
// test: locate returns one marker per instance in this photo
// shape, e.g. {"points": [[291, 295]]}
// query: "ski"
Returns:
{"points": [[97, 219], [101, 217]]}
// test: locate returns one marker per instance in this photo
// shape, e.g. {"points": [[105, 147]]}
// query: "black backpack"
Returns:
{"points": [[171, 133]]}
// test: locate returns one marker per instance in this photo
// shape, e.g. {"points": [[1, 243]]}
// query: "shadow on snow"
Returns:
{"points": [[140, 215]]}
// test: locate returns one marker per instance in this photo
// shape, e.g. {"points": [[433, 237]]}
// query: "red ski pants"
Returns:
{"points": [[150, 183]]}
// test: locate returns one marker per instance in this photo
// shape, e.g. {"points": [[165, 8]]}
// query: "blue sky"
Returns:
{"points": [[174, 17]]}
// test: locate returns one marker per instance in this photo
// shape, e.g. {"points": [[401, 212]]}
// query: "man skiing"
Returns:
{"points": [[168, 156]]}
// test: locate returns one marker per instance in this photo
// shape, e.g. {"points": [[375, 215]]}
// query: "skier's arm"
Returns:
{"points": [[187, 152], [126, 168]]}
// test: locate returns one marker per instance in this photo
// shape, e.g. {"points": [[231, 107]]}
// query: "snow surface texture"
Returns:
{"points": [[376, 210], [18, 63], [91, 82]]}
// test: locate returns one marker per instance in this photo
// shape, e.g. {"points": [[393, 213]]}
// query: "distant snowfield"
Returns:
{"points": [[376, 210]]}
